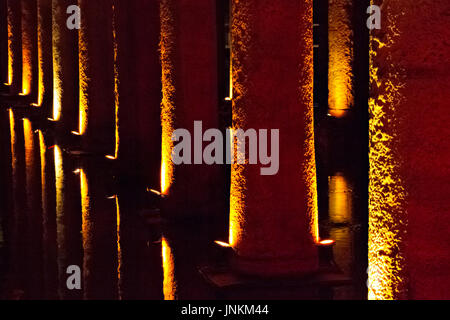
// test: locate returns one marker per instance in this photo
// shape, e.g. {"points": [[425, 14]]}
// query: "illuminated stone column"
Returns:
{"points": [[65, 69], [138, 90], [273, 219], [44, 43], [3, 43], [96, 71], [190, 93], [14, 46], [409, 149], [340, 59], [29, 49]]}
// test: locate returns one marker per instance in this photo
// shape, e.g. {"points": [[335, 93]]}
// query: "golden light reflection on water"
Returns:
{"points": [[12, 132], [43, 153], [29, 147], [86, 225], [339, 199], [169, 282]]}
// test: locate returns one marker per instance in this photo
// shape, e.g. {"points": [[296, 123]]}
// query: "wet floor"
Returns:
{"points": [[61, 209]]}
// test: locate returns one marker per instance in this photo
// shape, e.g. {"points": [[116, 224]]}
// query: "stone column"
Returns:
{"points": [[340, 57], [138, 90], [190, 93], [3, 44], [45, 69], [409, 152], [96, 65], [29, 49], [273, 218], [65, 69], [14, 46]]}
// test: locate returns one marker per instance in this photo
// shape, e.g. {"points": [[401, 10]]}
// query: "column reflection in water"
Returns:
{"points": [[340, 213], [33, 209], [99, 234], [169, 284], [68, 222]]}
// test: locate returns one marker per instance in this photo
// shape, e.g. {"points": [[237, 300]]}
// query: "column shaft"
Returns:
{"points": [[190, 93], [29, 49], [409, 178], [65, 68], [273, 219], [96, 65], [14, 46]]}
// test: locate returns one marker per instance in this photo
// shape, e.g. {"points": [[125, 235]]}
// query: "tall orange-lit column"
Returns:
{"points": [[189, 86], [409, 152], [3, 43], [138, 90], [14, 46], [29, 49], [340, 59], [96, 71], [65, 69], [45, 69], [273, 219]]}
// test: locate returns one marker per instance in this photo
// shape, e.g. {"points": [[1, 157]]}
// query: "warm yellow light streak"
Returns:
{"points": [[10, 47], [167, 46], [169, 282], [327, 242], [340, 45], [116, 88], [230, 93], [387, 217], [86, 225], [57, 67], [84, 81], [29, 146], [119, 250], [309, 163], [27, 63], [222, 244], [43, 152], [12, 128]]}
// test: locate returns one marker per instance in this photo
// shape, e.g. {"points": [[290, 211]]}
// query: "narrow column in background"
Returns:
{"points": [[29, 49], [340, 60], [190, 93], [44, 43], [273, 219], [96, 65], [65, 68], [409, 178], [138, 90], [14, 46]]}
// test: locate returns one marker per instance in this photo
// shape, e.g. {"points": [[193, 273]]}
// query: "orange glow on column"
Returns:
{"points": [[27, 54], [340, 45], [84, 82], [168, 91], [387, 216], [116, 89], [169, 282], [43, 152], [10, 48]]}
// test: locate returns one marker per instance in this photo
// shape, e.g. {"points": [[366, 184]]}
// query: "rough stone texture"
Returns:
{"points": [[189, 79], [14, 46], [96, 67], [408, 238], [272, 217], [65, 68], [29, 49], [45, 73], [340, 63]]}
